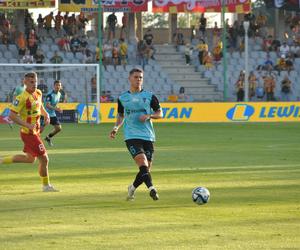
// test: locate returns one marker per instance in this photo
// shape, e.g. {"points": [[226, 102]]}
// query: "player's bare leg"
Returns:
{"points": [[43, 167], [56, 130], [43, 171], [25, 158]]}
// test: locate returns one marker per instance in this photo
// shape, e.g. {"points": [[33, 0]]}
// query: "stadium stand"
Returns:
{"points": [[165, 75]]}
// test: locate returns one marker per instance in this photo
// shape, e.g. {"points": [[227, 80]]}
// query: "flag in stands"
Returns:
{"points": [[172, 6], [107, 5], [25, 4], [284, 4]]}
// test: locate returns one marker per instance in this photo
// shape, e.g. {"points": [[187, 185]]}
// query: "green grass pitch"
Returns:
{"points": [[251, 170]]}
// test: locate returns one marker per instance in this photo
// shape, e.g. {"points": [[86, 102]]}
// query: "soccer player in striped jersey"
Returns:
{"points": [[26, 111], [136, 108]]}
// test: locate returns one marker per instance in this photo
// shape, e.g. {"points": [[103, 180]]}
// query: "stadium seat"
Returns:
{"points": [[49, 41], [297, 62], [167, 88], [124, 75], [67, 74], [160, 81], [148, 68], [131, 48], [254, 54], [8, 55], [273, 56], [75, 61], [3, 47], [218, 74], [49, 54], [79, 56], [220, 67], [119, 87], [119, 68], [69, 55], [54, 47], [13, 60], [236, 54], [5, 74], [151, 62], [259, 41], [181, 48], [49, 81], [262, 54], [12, 47], [293, 74], [163, 74]]}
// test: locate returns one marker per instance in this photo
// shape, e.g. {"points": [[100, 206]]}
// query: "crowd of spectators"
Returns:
{"points": [[69, 29], [71, 37], [262, 85]]}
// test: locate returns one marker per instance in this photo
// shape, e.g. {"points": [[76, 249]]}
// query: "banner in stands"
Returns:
{"points": [[292, 5], [107, 5], [196, 112], [26, 4], [174, 6]]}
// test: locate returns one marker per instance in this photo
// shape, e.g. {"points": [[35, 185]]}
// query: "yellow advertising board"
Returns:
{"points": [[219, 112], [26, 4], [106, 5], [208, 112]]}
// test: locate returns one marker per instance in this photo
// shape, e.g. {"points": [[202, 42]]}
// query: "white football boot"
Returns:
{"points": [[131, 190], [49, 188]]}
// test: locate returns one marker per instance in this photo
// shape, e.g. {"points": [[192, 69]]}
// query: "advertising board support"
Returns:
{"points": [[224, 51], [246, 27]]}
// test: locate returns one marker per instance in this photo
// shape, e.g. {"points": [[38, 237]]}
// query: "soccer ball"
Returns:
{"points": [[200, 195]]}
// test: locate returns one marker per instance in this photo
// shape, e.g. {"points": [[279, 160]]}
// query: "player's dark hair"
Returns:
{"points": [[30, 74], [56, 81], [135, 70]]}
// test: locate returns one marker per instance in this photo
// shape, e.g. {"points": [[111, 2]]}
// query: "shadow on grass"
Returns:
{"points": [[169, 198]]}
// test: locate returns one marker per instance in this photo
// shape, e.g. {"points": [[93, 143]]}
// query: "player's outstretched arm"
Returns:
{"points": [[119, 122]]}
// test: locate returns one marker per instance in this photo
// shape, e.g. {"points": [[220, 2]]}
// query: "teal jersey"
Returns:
{"points": [[134, 105], [53, 99], [19, 90]]}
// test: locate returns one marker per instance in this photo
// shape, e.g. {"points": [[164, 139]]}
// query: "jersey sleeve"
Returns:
{"points": [[16, 92], [120, 107], [154, 103], [48, 99], [17, 104]]}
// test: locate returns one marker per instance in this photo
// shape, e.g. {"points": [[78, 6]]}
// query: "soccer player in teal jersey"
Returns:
{"points": [[51, 101], [19, 90], [136, 108]]}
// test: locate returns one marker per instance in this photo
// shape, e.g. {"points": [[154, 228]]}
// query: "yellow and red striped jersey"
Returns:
{"points": [[28, 106]]}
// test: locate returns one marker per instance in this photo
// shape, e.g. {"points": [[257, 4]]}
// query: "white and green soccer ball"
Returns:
{"points": [[200, 195]]}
